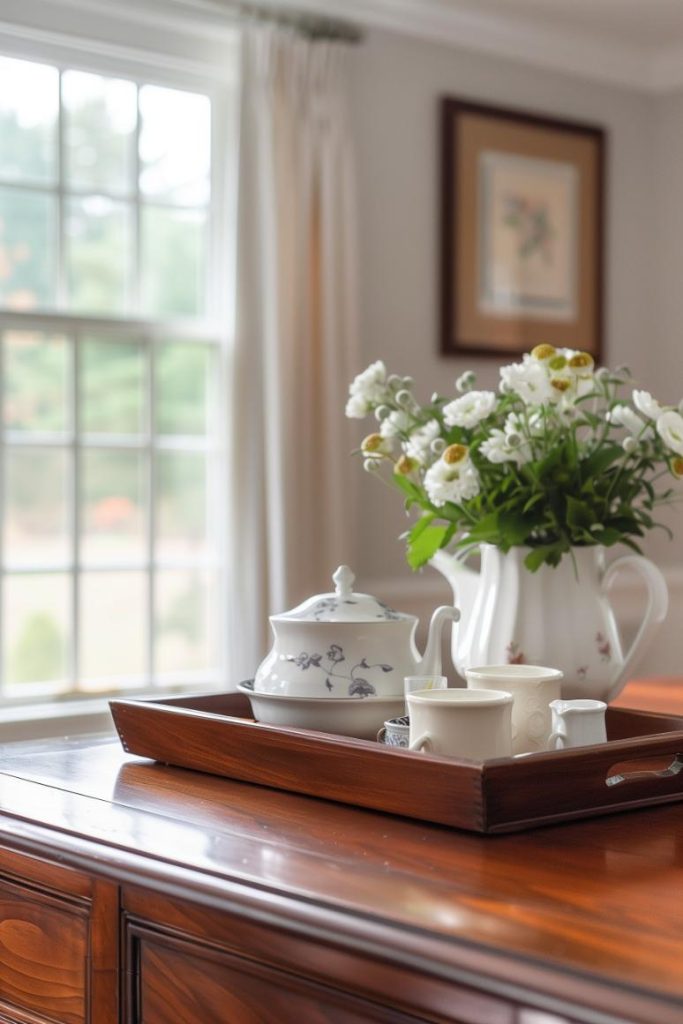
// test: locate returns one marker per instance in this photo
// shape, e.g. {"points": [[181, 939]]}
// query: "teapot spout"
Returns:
{"points": [[431, 661]]}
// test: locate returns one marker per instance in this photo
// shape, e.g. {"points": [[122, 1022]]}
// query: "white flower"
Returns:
{"points": [[529, 380], [497, 448], [465, 381], [374, 446], [455, 482], [471, 409], [536, 424], [623, 416], [357, 407], [645, 403], [517, 424], [670, 429], [397, 422], [369, 388], [630, 445], [566, 410], [419, 444]]}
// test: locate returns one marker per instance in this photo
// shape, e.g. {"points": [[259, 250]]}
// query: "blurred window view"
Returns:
{"points": [[108, 556]]}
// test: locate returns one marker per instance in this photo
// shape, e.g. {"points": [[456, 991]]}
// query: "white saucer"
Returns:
{"points": [[361, 717]]}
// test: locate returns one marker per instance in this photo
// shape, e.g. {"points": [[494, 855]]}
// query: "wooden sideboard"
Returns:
{"points": [[136, 893]]}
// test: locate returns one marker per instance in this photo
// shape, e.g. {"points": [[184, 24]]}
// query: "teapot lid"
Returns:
{"points": [[344, 605]]}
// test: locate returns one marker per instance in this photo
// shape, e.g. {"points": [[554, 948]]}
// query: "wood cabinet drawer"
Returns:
{"points": [[185, 983], [43, 955]]}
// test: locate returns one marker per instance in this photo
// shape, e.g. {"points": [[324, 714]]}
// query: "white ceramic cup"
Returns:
{"points": [[475, 724], [533, 687], [413, 683], [577, 723]]}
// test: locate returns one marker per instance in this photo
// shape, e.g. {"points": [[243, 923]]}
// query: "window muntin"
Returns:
{"points": [[105, 194], [109, 557]]}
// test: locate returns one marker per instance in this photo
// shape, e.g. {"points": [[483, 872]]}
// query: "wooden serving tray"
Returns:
{"points": [[640, 765]]}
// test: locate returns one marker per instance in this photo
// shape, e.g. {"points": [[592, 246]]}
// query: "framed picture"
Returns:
{"points": [[522, 231]]}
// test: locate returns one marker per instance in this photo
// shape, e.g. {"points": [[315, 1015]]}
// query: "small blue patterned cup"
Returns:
{"points": [[395, 732]]}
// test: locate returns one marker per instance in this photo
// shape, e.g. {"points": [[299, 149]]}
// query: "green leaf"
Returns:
{"points": [[515, 528], [578, 513], [420, 526], [485, 530], [427, 543], [601, 460], [550, 553], [608, 536], [407, 486]]}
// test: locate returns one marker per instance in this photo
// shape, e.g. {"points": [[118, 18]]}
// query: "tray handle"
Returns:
{"points": [[623, 776]]}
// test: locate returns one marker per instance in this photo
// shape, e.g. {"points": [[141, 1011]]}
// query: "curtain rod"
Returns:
{"points": [[316, 26]]}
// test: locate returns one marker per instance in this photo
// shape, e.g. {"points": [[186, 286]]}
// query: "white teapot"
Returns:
{"points": [[345, 644]]}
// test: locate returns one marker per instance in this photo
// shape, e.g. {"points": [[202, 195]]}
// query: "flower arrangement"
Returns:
{"points": [[562, 455]]}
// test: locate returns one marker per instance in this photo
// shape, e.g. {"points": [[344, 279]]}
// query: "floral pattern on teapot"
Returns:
{"points": [[356, 685], [323, 608]]}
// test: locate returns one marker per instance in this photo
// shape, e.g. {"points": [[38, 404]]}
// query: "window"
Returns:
{"points": [[110, 366]]}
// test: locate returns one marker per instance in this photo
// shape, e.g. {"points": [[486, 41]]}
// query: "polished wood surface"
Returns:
{"points": [[218, 735], [211, 986], [58, 944], [579, 920], [43, 945]]}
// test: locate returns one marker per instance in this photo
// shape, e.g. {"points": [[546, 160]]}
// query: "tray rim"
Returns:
{"points": [[179, 704], [482, 797]]}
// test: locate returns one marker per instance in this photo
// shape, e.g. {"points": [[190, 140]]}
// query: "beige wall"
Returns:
{"points": [[396, 87]]}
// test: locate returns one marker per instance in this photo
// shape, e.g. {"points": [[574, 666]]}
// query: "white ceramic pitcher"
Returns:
{"points": [[577, 723], [556, 616]]}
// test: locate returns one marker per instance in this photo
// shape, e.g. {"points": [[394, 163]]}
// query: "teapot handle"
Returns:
{"points": [[655, 611]]}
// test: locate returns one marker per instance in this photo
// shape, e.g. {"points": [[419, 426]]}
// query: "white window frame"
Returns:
{"points": [[207, 64]]}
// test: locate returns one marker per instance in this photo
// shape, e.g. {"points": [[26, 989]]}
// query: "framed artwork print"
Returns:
{"points": [[522, 231]]}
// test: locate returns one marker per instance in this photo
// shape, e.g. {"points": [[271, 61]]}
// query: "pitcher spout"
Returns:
{"points": [[431, 660], [463, 581]]}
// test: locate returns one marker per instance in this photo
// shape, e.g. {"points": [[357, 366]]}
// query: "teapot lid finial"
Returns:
{"points": [[343, 580]]}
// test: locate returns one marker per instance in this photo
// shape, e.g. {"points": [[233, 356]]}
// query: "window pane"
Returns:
{"points": [[113, 628], [112, 387], [98, 247], [181, 504], [113, 506], [173, 247], [100, 119], [27, 249], [37, 618], [36, 506], [175, 145], [182, 386], [29, 102], [36, 382], [185, 640]]}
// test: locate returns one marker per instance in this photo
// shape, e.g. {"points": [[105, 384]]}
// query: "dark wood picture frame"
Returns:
{"points": [[565, 157]]}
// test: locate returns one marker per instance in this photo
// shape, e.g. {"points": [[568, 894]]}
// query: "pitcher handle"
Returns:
{"points": [[655, 611], [553, 740]]}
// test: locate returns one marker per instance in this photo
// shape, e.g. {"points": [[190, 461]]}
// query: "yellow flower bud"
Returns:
{"points": [[405, 465], [560, 383], [677, 466], [558, 363], [543, 351], [372, 443], [581, 360], [454, 453]]}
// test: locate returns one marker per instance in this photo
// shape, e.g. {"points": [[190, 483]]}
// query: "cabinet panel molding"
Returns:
{"points": [[204, 986], [43, 954]]}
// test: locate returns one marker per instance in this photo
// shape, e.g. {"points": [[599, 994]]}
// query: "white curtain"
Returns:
{"points": [[291, 475]]}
